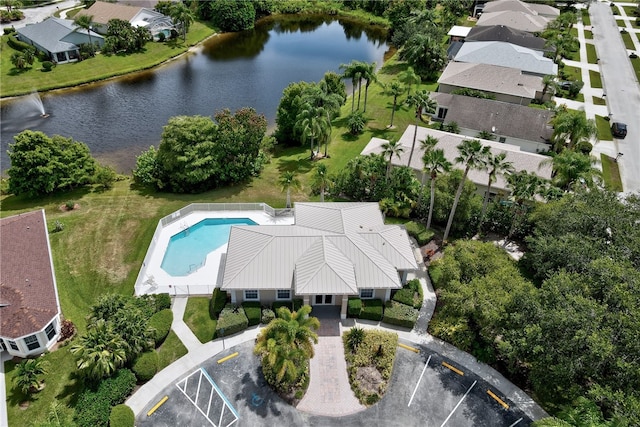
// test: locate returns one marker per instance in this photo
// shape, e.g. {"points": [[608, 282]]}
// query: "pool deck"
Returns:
{"points": [[203, 280]]}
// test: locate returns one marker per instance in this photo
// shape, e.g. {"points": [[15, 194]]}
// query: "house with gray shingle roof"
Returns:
{"points": [[448, 142], [515, 19], [529, 61], [331, 252], [29, 306], [506, 84], [502, 33], [520, 125], [59, 38], [520, 6]]}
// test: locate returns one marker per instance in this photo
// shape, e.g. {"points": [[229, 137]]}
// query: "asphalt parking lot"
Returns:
{"points": [[419, 394]]}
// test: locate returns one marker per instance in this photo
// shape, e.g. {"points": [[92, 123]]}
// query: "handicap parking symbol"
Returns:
{"points": [[256, 400]]}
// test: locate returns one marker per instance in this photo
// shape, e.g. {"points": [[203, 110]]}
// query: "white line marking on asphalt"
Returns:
{"points": [[454, 409], [516, 422], [420, 379]]}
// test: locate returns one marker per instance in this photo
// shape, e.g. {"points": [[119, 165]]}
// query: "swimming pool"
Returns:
{"points": [[187, 250]]}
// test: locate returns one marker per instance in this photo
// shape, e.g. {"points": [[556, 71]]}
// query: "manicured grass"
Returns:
{"points": [[592, 56], [171, 350], [628, 43], [599, 101], [573, 73], [574, 32], [620, 23], [19, 82], [197, 318], [636, 66], [588, 35], [630, 10], [580, 97], [573, 55], [596, 80], [586, 19], [611, 173], [604, 129]]}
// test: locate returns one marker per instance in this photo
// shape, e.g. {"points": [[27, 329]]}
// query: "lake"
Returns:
{"points": [[120, 118]]}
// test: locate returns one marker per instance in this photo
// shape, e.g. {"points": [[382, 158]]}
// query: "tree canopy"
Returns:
{"points": [[233, 15]]}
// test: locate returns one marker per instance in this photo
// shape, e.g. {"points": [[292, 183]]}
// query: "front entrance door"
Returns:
{"points": [[323, 300]]}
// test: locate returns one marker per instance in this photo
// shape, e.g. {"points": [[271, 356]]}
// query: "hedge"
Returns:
{"points": [[217, 302], [151, 304], [419, 232], [354, 307], [231, 320], [371, 309], [253, 311], [399, 314], [18, 45], [411, 294], [94, 404], [161, 322], [163, 301], [267, 316], [297, 304], [122, 416], [146, 365]]}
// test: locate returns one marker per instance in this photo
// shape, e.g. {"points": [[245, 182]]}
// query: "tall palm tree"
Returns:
{"points": [[297, 327], [435, 163], [524, 188], [409, 78], [329, 103], [390, 149], [495, 165], [422, 103], [181, 14], [29, 374], [472, 155], [571, 168], [571, 127], [369, 77], [351, 71], [394, 89], [313, 124], [100, 352], [321, 179], [426, 145], [287, 181], [84, 22]]}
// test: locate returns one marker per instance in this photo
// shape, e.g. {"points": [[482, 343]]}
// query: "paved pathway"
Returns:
{"points": [[34, 15]]}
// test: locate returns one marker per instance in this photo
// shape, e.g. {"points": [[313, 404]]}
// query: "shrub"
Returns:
{"points": [[67, 329], [411, 294], [371, 309], [163, 301], [122, 416], [17, 44], [354, 338], [47, 65], [231, 320], [297, 303], [94, 404], [354, 307], [161, 323], [253, 311], [9, 30], [146, 365], [70, 204], [267, 316], [356, 122], [217, 302], [419, 232], [399, 314]]}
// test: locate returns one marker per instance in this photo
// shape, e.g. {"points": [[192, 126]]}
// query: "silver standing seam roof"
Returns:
{"points": [[50, 34], [506, 55], [333, 248]]}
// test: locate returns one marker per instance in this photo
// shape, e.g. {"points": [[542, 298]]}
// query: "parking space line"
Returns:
{"points": [[519, 419], [419, 379], [497, 399], [454, 409], [157, 405], [454, 369]]}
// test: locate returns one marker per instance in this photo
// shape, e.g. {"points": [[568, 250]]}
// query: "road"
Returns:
{"points": [[39, 14], [622, 89]]}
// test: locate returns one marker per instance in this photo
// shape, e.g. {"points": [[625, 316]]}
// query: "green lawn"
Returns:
{"points": [[636, 66], [586, 19], [572, 73], [171, 350], [630, 10], [197, 318], [611, 173], [19, 82], [596, 80], [599, 101], [592, 56], [604, 129], [628, 43], [588, 35]]}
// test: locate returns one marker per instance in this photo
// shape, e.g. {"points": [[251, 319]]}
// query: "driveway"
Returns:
{"points": [[38, 14]]}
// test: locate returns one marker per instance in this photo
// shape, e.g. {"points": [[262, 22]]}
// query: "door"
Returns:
{"points": [[323, 300]]}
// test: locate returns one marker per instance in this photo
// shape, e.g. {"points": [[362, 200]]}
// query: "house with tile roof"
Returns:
{"points": [[59, 39], [505, 83], [530, 8], [102, 12], [529, 61], [331, 252], [448, 142], [528, 128], [29, 305], [519, 20], [502, 33]]}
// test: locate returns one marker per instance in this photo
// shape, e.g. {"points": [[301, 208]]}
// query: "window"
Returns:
{"points": [[32, 342], [13, 345], [442, 112], [50, 330], [251, 295], [283, 294], [366, 293], [502, 139]]}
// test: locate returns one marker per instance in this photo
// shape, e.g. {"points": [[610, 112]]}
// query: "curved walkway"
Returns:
{"points": [[327, 389]]}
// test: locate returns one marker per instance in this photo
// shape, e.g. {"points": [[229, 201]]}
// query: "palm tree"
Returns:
{"points": [[321, 179], [421, 102], [472, 155], [29, 374], [395, 89], [100, 352], [369, 77], [329, 103], [181, 14], [351, 71], [426, 145], [132, 326], [297, 328], [496, 165], [571, 127], [435, 163], [313, 124], [550, 85], [571, 168], [524, 188], [287, 181], [84, 22], [409, 78], [390, 149]]}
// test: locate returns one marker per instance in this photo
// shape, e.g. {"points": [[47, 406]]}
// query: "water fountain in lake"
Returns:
{"points": [[35, 100], [28, 114]]}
